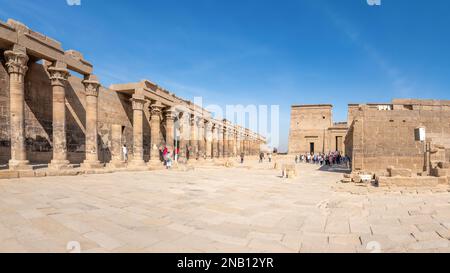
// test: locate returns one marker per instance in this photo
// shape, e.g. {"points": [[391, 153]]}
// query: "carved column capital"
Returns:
{"points": [[138, 104], [194, 120], [170, 114], [58, 75], [209, 125], [91, 85], [16, 62], [156, 110], [201, 123]]}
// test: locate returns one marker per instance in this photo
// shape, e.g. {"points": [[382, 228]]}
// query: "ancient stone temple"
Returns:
{"points": [[49, 115], [404, 138], [312, 130]]}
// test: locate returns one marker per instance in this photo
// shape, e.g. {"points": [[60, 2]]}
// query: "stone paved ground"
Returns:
{"points": [[219, 210]]}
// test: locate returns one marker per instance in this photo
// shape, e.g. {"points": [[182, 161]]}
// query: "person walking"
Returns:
{"points": [[125, 153], [168, 160], [270, 158], [242, 158]]}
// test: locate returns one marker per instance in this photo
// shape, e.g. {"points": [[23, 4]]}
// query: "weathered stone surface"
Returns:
{"points": [[408, 181], [383, 135], [220, 210], [9, 174], [394, 172]]}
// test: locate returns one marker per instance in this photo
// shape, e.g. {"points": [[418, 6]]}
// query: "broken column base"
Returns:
{"points": [[155, 164], [418, 181], [58, 165], [16, 165], [116, 165], [92, 165], [288, 171]]}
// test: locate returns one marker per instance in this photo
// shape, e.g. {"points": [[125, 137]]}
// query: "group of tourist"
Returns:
{"points": [[322, 159], [167, 155], [262, 157]]}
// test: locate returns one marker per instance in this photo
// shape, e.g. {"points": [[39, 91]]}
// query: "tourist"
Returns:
{"points": [[164, 154], [261, 157], [168, 160], [177, 152], [242, 158], [270, 158], [125, 153], [296, 159]]}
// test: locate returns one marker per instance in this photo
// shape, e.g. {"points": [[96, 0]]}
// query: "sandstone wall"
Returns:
{"points": [[114, 108], [5, 152], [380, 139]]}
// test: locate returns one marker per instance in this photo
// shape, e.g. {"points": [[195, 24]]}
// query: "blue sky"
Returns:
{"points": [[258, 51]]}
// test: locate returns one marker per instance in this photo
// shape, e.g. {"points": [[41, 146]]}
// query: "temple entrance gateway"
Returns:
{"points": [[311, 147]]}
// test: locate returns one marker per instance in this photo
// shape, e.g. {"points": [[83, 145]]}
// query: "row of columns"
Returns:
{"points": [[204, 139], [17, 67], [198, 138]]}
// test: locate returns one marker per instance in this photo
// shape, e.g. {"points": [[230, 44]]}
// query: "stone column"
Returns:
{"points": [[91, 85], [138, 138], [215, 141], [58, 76], [16, 65], [201, 138], [193, 142], [155, 131], [241, 144], [246, 146], [238, 144], [235, 143], [220, 143], [184, 136], [225, 141], [170, 116], [230, 142], [117, 160], [208, 139]]}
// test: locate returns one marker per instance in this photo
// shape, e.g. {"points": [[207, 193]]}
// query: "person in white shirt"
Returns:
{"points": [[125, 153]]}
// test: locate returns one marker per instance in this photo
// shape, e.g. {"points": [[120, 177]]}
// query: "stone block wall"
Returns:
{"points": [[379, 139], [5, 152]]}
